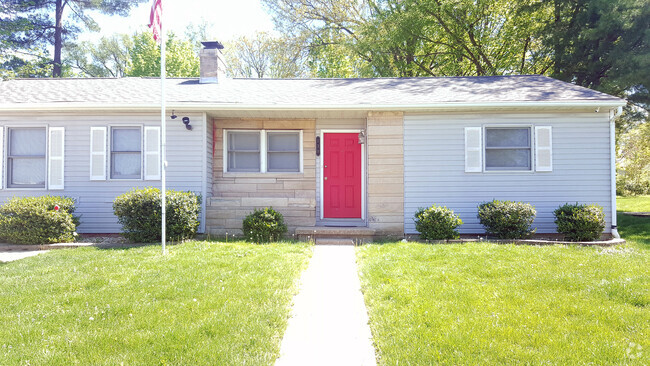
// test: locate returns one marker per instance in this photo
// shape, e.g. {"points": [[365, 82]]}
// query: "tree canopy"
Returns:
{"points": [[28, 28]]}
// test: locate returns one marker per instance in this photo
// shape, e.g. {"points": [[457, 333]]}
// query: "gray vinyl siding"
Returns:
{"points": [[434, 170], [185, 156]]}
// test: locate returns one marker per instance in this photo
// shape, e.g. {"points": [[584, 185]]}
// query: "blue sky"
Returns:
{"points": [[229, 19]]}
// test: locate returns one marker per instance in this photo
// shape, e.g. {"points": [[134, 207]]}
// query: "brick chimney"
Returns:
{"points": [[213, 66]]}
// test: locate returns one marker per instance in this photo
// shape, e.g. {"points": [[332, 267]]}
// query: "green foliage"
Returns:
{"points": [[601, 44], [139, 212], [437, 223], [264, 55], [633, 165], [180, 58], [580, 222], [264, 225], [36, 220], [107, 57], [29, 27], [507, 219]]}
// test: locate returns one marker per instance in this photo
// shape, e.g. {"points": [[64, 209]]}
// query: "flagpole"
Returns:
{"points": [[163, 134]]}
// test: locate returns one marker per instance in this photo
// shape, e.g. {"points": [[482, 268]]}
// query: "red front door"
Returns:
{"points": [[341, 175]]}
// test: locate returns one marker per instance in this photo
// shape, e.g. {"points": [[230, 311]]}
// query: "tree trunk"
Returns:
{"points": [[58, 39]]}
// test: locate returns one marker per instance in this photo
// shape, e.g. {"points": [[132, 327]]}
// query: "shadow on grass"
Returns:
{"points": [[634, 229]]}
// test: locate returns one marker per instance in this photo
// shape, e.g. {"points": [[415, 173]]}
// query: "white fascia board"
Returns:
{"points": [[294, 107]]}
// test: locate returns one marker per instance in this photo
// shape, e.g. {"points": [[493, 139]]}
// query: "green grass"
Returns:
{"points": [[482, 303], [204, 303], [636, 230], [633, 203]]}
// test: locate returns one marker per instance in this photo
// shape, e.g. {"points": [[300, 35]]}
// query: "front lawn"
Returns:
{"points": [[205, 303], [636, 230], [482, 303], [633, 203]]}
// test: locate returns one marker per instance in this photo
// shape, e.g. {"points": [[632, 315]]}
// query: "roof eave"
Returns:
{"points": [[66, 106]]}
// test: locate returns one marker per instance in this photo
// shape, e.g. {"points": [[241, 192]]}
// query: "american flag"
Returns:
{"points": [[155, 22]]}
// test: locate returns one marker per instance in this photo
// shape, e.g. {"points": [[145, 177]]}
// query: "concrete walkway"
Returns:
{"points": [[7, 256], [329, 325]]}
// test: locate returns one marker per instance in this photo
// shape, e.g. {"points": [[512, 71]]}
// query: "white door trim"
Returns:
{"points": [[363, 171]]}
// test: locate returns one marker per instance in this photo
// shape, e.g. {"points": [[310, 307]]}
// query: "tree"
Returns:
{"points": [[418, 37], [603, 45], [265, 56], [109, 57], [633, 166], [181, 60], [37, 24]]}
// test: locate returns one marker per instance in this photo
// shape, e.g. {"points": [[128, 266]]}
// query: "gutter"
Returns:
{"points": [[612, 143], [207, 107]]}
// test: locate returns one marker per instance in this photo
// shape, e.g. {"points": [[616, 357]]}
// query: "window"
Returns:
{"points": [[126, 153], [244, 151], [283, 152], [26, 157], [263, 151], [507, 148]]}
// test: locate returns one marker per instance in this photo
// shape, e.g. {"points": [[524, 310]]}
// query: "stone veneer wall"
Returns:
{"points": [[235, 195], [385, 141]]}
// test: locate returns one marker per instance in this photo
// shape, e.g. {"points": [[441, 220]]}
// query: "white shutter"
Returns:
{"points": [[98, 153], [2, 151], [152, 153], [55, 163], [543, 149], [473, 150]]}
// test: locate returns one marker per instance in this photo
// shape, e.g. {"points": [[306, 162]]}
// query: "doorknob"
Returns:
{"points": [[325, 178], [325, 166]]}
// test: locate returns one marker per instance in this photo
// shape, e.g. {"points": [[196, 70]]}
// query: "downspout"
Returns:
{"points": [[612, 143]]}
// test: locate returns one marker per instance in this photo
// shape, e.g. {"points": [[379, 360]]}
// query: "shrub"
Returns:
{"points": [[580, 222], [507, 219], [139, 213], [437, 223], [264, 225], [38, 220]]}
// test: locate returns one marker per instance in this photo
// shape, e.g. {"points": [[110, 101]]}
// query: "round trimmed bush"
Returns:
{"points": [[507, 219], [264, 225], [437, 223], [139, 211], [580, 222], [38, 220]]}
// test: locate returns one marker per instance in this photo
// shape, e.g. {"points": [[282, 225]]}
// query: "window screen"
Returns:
{"points": [[283, 151], [126, 153], [26, 158], [243, 151], [507, 148]]}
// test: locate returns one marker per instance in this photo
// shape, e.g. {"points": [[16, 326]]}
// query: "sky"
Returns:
{"points": [[228, 19]]}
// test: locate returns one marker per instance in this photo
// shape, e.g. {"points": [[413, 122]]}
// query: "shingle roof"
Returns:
{"points": [[411, 92]]}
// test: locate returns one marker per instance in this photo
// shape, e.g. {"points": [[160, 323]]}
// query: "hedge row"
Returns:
{"points": [[513, 220]]}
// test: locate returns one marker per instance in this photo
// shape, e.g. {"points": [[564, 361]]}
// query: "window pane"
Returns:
{"points": [[126, 139], [507, 137], [243, 141], [125, 165], [283, 141], [243, 162], [510, 159], [30, 172], [27, 142], [283, 162]]}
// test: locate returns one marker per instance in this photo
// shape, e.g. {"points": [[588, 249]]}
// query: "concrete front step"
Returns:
{"points": [[330, 235]]}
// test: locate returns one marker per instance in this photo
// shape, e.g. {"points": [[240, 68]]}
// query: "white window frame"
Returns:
{"points": [[5, 159], [109, 151], [263, 150], [531, 132]]}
